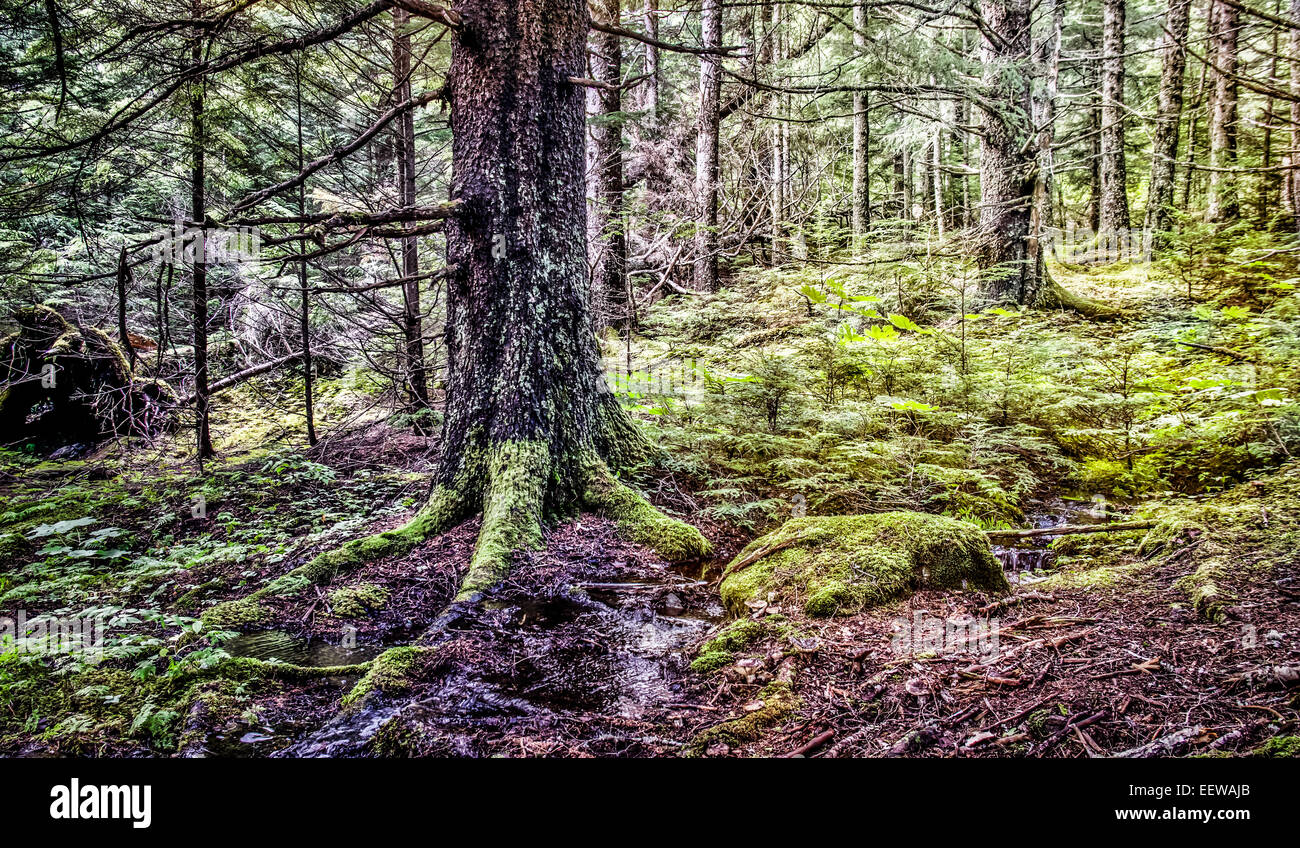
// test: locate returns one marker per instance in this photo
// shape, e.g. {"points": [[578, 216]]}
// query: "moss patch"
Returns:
{"points": [[358, 601], [640, 522], [778, 702], [392, 671], [842, 564]]}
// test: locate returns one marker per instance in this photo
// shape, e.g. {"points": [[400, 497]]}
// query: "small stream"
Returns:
{"points": [[601, 649], [1025, 559]]}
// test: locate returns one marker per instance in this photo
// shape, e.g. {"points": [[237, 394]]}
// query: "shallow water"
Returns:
{"points": [[616, 648], [1025, 556], [272, 645]]}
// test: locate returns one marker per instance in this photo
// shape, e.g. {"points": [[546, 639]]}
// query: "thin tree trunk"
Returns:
{"points": [[412, 317], [861, 201], [777, 198], [706, 151], [1223, 203], [1114, 190], [1293, 155], [1045, 115], [304, 303], [123, 281], [198, 213], [609, 275], [1169, 115], [650, 89]]}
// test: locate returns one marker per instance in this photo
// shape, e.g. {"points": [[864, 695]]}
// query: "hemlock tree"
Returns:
{"points": [[1114, 188], [1169, 114], [1009, 252], [532, 429], [609, 265]]}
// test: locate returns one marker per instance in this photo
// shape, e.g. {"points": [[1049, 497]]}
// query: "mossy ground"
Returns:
{"points": [[841, 564]]}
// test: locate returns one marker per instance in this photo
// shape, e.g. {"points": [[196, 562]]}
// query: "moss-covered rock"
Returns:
{"points": [[845, 563]]}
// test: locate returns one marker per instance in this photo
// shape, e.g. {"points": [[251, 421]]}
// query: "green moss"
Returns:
{"points": [[1088, 576], [710, 661], [357, 601], [639, 521], [512, 512], [236, 614], [1279, 747], [390, 672], [842, 564], [778, 702]]}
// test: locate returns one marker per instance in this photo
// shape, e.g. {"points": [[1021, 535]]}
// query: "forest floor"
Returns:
{"points": [[1179, 640]]}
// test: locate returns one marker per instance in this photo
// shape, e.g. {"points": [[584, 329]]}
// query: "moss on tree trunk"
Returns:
{"points": [[531, 430]]}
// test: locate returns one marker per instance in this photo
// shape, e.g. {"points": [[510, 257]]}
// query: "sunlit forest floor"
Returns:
{"points": [[827, 390]]}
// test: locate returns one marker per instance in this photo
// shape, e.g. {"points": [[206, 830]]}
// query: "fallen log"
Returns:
{"points": [[1070, 530], [247, 374]]}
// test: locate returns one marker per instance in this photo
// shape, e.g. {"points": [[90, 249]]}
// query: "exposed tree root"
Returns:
{"points": [[1055, 296], [514, 508]]}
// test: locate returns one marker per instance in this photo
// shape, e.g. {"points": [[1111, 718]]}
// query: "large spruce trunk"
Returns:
{"points": [[1010, 252], [1011, 267], [531, 428]]}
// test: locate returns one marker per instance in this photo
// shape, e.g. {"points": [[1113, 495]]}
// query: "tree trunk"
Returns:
{"points": [[861, 201], [304, 303], [123, 282], [1009, 253], [1008, 270], [1223, 205], [1114, 172], [412, 317], [706, 151], [1293, 156], [198, 211], [650, 89], [609, 274], [531, 427], [1045, 115], [1169, 114]]}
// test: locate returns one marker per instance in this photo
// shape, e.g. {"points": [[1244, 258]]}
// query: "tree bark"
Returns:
{"points": [[304, 290], [1293, 156], [1008, 270], [1009, 252], [1169, 114], [1045, 114], [199, 270], [650, 103], [1223, 204], [1114, 170], [609, 271], [531, 428], [412, 316], [706, 150], [861, 201]]}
